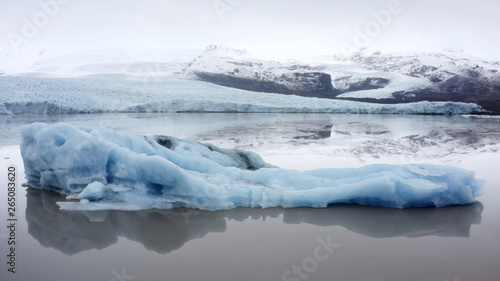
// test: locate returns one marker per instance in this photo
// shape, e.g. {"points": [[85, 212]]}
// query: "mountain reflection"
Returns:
{"points": [[163, 231]]}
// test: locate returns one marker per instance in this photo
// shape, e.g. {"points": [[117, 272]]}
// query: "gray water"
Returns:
{"points": [[342, 242]]}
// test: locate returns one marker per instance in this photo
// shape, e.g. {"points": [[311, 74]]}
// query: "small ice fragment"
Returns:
{"points": [[72, 197], [93, 191]]}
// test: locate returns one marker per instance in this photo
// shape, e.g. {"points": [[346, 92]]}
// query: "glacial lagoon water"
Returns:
{"points": [[342, 242]]}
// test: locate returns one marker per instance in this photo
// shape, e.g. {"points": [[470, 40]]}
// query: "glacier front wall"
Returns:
{"points": [[116, 93], [144, 172]]}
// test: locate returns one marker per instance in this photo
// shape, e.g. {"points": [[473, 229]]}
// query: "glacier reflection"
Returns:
{"points": [[163, 231]]}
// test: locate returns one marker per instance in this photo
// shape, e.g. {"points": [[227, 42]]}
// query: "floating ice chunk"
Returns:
{"points": [[165, 172], [93, 191]]}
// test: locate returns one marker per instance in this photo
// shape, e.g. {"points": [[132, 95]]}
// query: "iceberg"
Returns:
{"points": [[130, 172]]}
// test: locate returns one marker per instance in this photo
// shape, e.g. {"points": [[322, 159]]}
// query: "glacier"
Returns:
{"points": [[121, 93], [108, 170]]}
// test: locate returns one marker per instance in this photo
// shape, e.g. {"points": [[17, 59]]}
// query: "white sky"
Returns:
{"points": [[264, 27]]}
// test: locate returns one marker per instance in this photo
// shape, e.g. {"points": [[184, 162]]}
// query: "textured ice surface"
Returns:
{"points": [[117, 93], [142, 172]]}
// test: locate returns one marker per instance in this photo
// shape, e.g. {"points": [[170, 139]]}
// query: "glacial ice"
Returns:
{"points": [[117, 93], [144, 172], [93, 191]]}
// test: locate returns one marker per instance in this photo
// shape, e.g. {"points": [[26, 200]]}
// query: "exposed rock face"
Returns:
{"points": [[310, 84], [458, 88], [368, 84]]}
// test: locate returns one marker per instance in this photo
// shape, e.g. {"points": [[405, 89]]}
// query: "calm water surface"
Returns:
{"points": [[343, 242]]}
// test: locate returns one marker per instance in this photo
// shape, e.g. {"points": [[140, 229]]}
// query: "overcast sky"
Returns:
{"points": [[267, 27]]}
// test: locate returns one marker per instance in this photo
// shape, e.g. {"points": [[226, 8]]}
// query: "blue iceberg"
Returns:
{"points": [[144, 172]]}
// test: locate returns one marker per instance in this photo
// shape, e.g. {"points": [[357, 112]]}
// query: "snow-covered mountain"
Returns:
{"points": [[382, 78], [447, 76], [236, 69], [372, 78]]}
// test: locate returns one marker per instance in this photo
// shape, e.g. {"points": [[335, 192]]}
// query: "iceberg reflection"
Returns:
{"points": [[164, 231]]}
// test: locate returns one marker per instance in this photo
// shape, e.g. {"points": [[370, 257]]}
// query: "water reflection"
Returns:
{"points": [[163, 231], [72, 232], [378, 222]]}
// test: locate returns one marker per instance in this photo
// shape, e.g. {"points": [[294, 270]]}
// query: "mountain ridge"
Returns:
{"points": [[380, 78]]}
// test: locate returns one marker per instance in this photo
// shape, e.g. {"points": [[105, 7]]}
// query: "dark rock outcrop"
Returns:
{"points": [[369, 83], [459, 89], [309, 84]]}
